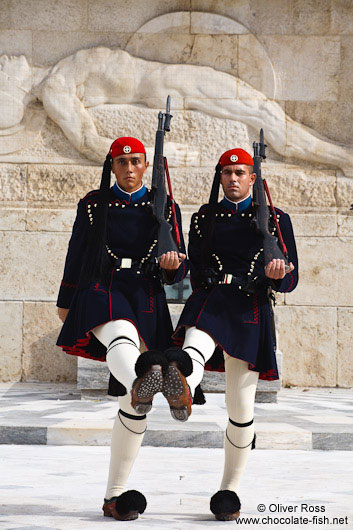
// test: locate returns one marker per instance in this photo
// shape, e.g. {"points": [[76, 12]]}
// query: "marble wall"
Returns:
{"points": [[297, 53]]}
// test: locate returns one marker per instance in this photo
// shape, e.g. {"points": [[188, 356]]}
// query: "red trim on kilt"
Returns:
{"points": [[77, 350], [203, 305], [150, 295], [72, 285], [256, 311], [269, 375], [71, 350]]}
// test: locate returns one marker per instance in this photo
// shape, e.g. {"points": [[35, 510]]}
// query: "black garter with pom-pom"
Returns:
{"points": [[199, 396]]}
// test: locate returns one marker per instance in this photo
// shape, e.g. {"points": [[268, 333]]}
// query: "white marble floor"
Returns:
{"points": [[46, 487]]}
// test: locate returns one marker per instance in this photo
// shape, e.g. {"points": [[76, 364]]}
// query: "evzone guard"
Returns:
{"points": [[113, 304], [227, 322]]}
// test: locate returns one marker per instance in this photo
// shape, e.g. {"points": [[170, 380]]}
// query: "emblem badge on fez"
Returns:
{"points": [[233, 158], [127, 149]]}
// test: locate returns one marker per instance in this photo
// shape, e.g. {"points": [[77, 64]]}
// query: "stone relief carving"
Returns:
{"points": [[98, 76], [206, 39], [20, 124]]}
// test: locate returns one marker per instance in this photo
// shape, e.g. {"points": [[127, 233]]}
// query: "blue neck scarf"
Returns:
{"points": [[238, 206], [126, 196]]}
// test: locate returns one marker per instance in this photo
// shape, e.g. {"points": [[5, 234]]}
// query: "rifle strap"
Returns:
{"points": [[175, 222], [284, 248]]}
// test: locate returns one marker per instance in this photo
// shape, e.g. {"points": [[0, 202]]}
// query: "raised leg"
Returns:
{"points": [[123, 349], [185, 370], [200, 347]]}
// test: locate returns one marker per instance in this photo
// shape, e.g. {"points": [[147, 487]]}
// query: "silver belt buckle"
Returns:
{"points": [[126, 263]]}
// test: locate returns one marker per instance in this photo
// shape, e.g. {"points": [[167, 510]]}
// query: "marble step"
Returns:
{"points": [[298, 421], [268, 436]]}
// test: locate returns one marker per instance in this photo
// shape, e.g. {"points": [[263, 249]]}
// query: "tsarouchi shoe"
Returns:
{"points": [[126, 507], [150, 369], [225, 505], [175, 387]]}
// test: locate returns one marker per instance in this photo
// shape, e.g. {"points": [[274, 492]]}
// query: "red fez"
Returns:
{"points": [[125, 146], [236, 156]]}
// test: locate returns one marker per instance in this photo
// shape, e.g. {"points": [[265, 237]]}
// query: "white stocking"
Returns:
{"points": [[123, 343], [128, 433], [240, 398], [200, 347], [127, 438]]}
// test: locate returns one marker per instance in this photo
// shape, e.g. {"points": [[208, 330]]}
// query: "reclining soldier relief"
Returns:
{"points": [[100, 75]]}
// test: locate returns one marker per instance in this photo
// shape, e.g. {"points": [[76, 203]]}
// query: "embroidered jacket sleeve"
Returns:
{"points": [[74, 257], [183, 269], [290, 280]]}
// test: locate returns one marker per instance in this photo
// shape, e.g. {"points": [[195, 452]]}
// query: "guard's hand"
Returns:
{"points": [[276, 269], [62, 313], [170, 261]]}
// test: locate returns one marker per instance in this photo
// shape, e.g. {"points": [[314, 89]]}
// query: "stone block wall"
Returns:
{"points": [[297, 53]]}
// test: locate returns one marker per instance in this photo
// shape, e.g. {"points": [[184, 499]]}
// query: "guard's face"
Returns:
{"points": [[236, 181], [129, 171]]}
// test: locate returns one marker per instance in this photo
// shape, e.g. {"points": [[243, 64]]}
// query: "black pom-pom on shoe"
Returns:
{"points": [[149, 358], [225, 505], [182, 358], [131, 500], [126, 507]]}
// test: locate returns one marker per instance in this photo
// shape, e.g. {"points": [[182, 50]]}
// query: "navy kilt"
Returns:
{"points": [[142, 301]]}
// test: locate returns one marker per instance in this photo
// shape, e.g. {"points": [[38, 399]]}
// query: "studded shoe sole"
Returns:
{"points": [[177, 393], [109, 510], [227, 516], [145, 387]]}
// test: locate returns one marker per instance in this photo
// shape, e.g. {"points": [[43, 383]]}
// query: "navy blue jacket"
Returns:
{"points": [[140, 298], [240, 322], [131, 231]]}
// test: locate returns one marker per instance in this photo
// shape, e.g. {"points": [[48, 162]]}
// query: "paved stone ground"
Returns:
{"points": [[54, 414], [62, 488]]}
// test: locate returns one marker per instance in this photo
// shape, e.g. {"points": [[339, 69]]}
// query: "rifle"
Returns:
{"points": [[166, 242], [261, 219]]}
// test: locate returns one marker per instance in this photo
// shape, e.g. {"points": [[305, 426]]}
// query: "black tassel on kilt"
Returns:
{"points": [[199, 396], [210, 217]]}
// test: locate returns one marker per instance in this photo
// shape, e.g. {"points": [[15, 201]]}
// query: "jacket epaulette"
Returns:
{"points": [[90, 195]]}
